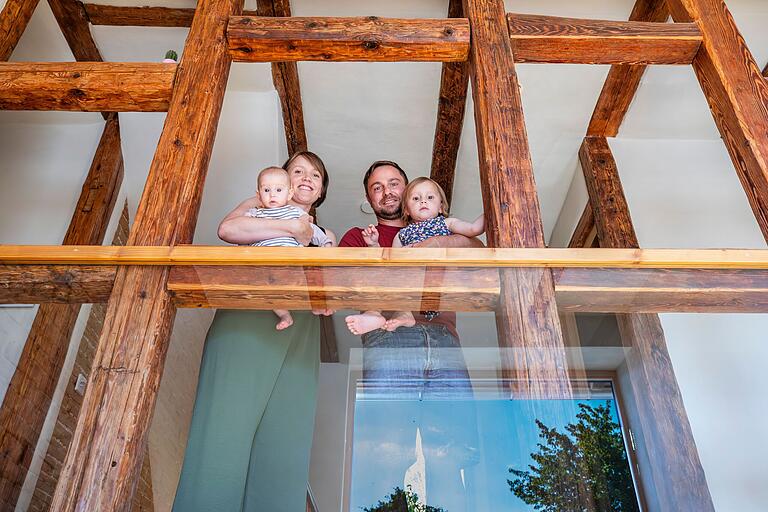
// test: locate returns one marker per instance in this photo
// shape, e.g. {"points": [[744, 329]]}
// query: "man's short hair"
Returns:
{"points": [[381, 163]]}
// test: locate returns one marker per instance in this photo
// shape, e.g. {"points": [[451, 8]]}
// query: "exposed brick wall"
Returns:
{"points": [[70, 407]]}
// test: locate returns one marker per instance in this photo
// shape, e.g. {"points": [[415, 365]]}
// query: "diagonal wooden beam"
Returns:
{"points": [[551, 39], [368, 39], [104, 459], [765, 71], [454, 81], [13, 21], [585, 234], [527, 315], [737, 94], [623, 80], [73, 21], [285, 76], [31, 388], [674, 477]]}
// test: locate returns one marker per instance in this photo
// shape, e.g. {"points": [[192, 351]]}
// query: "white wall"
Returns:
{"points": [[685, 194]]}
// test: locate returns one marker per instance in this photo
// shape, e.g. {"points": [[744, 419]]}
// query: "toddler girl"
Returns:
{"points": [[424, 210]]}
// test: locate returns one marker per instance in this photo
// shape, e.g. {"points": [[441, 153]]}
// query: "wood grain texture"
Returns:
{"points": [[623, 80], [551, 39], [277, 39], [13, 21], [73, 21], [606, 196], [454, 80], [385, 288], [144, 16], [37, 284], [86, 87], [765, 71], [675, 475], [585, 233], [34, 381], [737, 94], [104, 461], [527, 314], [344, 256]]}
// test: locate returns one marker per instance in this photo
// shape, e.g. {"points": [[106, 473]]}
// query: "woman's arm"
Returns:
{"points": [[236, 228], [330, 234], [462, 227]]}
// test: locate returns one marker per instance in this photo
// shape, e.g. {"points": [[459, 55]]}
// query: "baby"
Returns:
{"points": [[424, 210], [274, 191]]}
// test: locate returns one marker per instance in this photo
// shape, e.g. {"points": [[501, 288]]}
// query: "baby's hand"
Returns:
{"points": [[371, 236]]}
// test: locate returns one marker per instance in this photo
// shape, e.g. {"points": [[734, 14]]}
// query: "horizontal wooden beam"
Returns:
{"points": [[460, 289], [375, 256], [86, 86], [550, 39], [272, 39], [145, 16]]}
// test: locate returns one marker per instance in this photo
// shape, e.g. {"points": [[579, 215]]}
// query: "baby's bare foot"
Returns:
{"points": [[286, 320], [365, 322], [400, 319]]}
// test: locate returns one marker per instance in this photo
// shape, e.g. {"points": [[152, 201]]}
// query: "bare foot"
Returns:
{"points": [[365, 322], [400, 319], [286, 320]]}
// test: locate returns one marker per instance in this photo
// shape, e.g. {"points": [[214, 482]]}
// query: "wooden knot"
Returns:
{"points": [[142, 294], [244, 49], [370, 45], [448, 31], [312, 24], [76, 75], [178, 143], [372, 18]]}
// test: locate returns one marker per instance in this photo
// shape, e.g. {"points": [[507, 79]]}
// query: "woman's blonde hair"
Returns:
{"points": [[444, 207]]}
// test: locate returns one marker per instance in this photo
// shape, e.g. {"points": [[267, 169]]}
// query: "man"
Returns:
{"points": [[423, 362]]}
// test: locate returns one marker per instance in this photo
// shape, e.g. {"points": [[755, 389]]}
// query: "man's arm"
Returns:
{"points": [[236, 228], [449, 241]]}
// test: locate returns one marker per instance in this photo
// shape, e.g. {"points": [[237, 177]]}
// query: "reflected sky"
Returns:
{"points": [[468, 446]]}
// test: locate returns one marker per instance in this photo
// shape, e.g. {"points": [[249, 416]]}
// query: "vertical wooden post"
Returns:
{"points": [[737, 94], [104, 460], [454, 81], [527, 320], [13, 20], [674, 477], [33, 383]]}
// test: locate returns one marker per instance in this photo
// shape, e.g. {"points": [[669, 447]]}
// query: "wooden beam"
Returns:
{"points": [[454, 81], [675, 475], [86, 87], [602, 290], [623, 80], [551, 39], [765, 71], [527, 314], [270, 39], [73, 21], [737, 94], [104, 460], [285, 76], [605, 290], [13, 21], [366, 257], [145, 16], [585, 233], [33, 383]]}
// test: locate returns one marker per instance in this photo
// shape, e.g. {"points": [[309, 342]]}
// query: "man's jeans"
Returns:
{"points": [[422, 369]]}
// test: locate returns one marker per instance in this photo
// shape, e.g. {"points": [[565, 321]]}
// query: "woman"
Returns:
{"points": [[251, 432]]}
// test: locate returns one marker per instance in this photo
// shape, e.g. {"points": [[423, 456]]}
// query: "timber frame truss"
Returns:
{"points": [[528, 286]]}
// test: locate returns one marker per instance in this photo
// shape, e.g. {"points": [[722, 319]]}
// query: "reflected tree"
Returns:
{"points": [[583, 470], [402, 501]]}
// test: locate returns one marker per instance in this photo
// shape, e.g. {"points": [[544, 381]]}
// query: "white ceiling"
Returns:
{"points": [[358, 112]]}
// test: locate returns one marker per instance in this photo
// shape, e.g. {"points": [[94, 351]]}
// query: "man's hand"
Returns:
{"points": [[449, 241], [371, 236], [302, 230]]}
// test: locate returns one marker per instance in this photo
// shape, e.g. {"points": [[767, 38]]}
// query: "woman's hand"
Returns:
{"points": [[301, 229]]}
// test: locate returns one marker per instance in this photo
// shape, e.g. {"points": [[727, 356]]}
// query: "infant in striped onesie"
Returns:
{"points": [[274, 191]]}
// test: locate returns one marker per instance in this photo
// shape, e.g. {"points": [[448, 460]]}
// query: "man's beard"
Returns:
{"points": [[382, 213]]}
